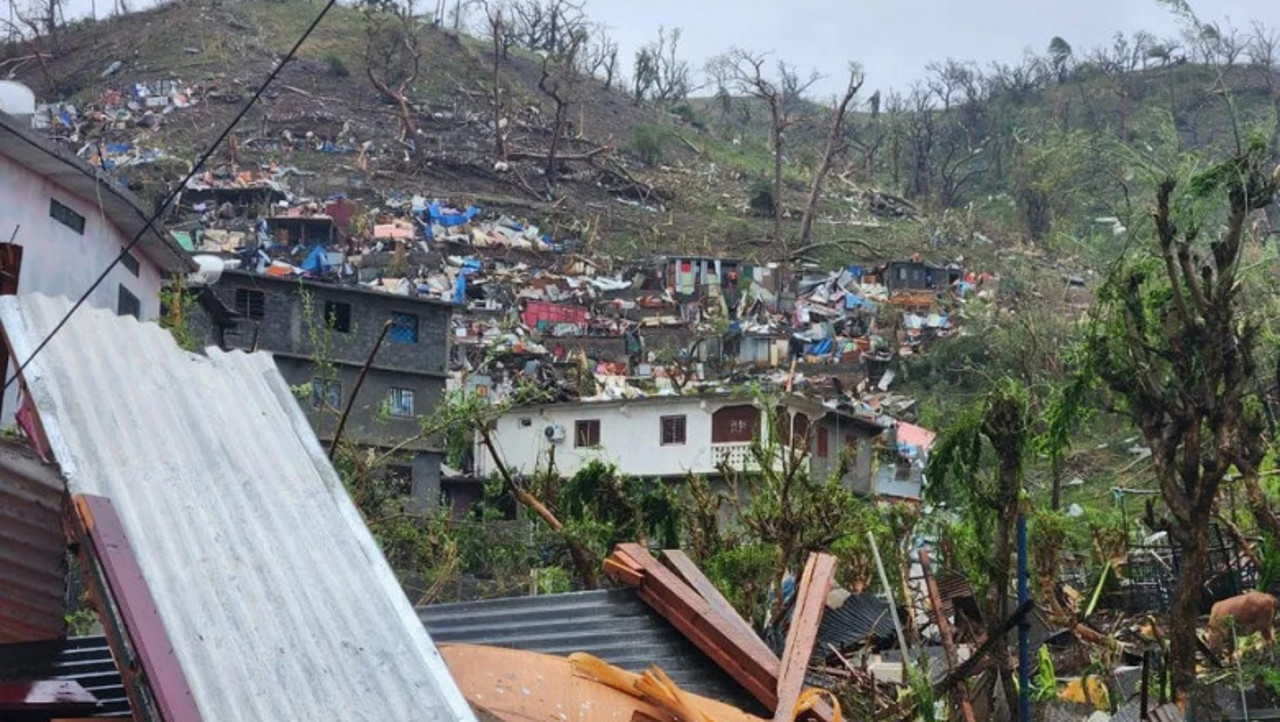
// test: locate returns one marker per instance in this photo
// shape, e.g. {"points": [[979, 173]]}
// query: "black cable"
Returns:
{"points": [[164, 205]]}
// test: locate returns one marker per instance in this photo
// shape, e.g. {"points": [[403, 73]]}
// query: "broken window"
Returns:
{"points": [[337, 316], [404, 327], [673, 430], [586, 433], [128, 304], [326, 393], [401, 402], [67, 217], [251, 303]]}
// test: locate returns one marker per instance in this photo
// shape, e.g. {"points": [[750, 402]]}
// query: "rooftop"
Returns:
{"points": [[121, 207]]}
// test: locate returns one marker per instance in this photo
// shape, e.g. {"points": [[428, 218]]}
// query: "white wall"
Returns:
{"points": [[58, 261], [630, 437]]}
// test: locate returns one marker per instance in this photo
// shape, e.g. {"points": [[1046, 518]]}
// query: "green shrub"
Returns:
{"points": [[648, 143], [337, 68]]}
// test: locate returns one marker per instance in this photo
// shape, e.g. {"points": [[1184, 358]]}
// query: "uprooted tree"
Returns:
{"points": [[1175, 343]]}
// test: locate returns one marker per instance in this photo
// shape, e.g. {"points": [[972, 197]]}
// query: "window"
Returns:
{"points": [[823, 443], [129, 261], [734, 424], [337, 316], [404, 327], [586, 432], [326, 393], [128, 304], [401, 402], [250, 303], [66, 216], [673, 430]]}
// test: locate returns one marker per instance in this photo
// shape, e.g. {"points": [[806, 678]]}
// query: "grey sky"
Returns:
{"points": [[895, 39]]}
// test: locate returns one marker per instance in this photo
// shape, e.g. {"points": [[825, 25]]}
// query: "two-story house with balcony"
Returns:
{"points": [[321, 335], [674, 436]]}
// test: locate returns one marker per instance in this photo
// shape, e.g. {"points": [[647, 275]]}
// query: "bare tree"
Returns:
{"points": [[599, 56], [497, 32], [660, 76], [393, 59], [549, 26], [836, 146], [781, 95], [560, 76]]}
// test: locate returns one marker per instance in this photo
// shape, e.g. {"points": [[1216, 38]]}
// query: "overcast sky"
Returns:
{"points": [[893, 39]]}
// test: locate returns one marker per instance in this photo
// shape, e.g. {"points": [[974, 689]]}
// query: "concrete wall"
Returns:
{"points": [[293, 327], [60, 262], [630, 437], [57, 261], [293, 331]]}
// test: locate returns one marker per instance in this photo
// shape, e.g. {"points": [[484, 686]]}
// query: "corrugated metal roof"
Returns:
{"points": [[612, 624], [86, 660], [275, 596], [32, 550], [121, 207]]}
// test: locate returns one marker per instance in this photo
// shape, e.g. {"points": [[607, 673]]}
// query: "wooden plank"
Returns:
{"points": [[750, 664], [806, 616], [681, 564], [622, 573]]}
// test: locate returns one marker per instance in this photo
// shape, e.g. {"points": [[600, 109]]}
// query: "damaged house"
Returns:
{"points": [[674, 436], [321, 335]]}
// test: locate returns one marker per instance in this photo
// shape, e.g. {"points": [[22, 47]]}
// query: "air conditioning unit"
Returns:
{"points": [[554, 432]]}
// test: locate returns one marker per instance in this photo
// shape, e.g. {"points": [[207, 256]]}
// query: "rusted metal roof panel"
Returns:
{"points": [[32, 550], [275, 596]]}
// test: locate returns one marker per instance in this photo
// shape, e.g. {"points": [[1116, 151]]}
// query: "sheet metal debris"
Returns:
{"points": [[277, 600]]}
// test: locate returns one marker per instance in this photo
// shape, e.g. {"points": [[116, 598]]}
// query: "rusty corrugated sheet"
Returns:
{"points": [[32, 550], [276, 598]]}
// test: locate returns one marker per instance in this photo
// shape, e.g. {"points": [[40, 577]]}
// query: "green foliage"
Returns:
{"points": [[177, 306], [1044, 688], [649, 143], [337, 68], [743, 574]]}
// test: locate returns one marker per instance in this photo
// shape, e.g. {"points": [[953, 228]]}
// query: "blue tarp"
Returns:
{"points": [[852, 301], [317, 261], [449, 220]]}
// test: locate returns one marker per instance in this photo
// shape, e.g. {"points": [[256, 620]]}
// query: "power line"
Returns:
{"points": [[168, 199]]}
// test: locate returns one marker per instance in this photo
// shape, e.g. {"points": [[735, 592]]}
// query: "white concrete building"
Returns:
{"points": [[673, 436], [72, 220]]}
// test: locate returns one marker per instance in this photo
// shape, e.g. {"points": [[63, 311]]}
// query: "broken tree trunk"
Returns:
{"points": [[960, 695], [836, 147]]}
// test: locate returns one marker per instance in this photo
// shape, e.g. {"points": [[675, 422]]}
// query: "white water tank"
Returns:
{"points": [[17, 100]]}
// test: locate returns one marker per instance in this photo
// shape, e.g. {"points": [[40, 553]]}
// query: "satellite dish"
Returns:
{"points": [[209, 271], [17, 100]]}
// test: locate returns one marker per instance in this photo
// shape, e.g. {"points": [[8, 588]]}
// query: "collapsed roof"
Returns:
{"points": [[274, 596]]}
